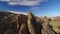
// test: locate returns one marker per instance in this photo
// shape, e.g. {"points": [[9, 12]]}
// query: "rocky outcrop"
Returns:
{"points": [[8, 23], [33, 26], [11, 23], [23, 24]]}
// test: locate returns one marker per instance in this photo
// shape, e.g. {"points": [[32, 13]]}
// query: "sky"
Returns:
{"points": [[37, 7]]}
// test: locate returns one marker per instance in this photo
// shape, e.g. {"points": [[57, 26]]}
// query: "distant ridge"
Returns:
{"points": [[16, 12]]}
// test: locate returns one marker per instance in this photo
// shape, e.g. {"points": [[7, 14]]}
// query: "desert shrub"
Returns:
{"points": [[49, 19]]}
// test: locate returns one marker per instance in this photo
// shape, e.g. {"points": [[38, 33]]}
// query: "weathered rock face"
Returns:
{"points": [[33, 26], [11, 23], [23, 24], [8, 23]]}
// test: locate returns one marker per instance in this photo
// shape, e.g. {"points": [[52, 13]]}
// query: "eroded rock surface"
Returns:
{"points": [[11, 23]]}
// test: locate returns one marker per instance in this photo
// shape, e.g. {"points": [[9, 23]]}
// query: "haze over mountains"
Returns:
{"points": [[25, 23]]}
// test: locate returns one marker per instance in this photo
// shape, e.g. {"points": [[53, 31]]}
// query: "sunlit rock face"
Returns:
{"points": [[33, 25], [23, 24], [12, 23]]}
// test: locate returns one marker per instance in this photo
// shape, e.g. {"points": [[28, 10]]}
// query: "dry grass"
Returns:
{"points": [[56, 25]]}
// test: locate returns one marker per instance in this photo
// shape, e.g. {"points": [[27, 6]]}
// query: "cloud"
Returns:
{"points": [[35, 8], [24, 2], [5, 0]]}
